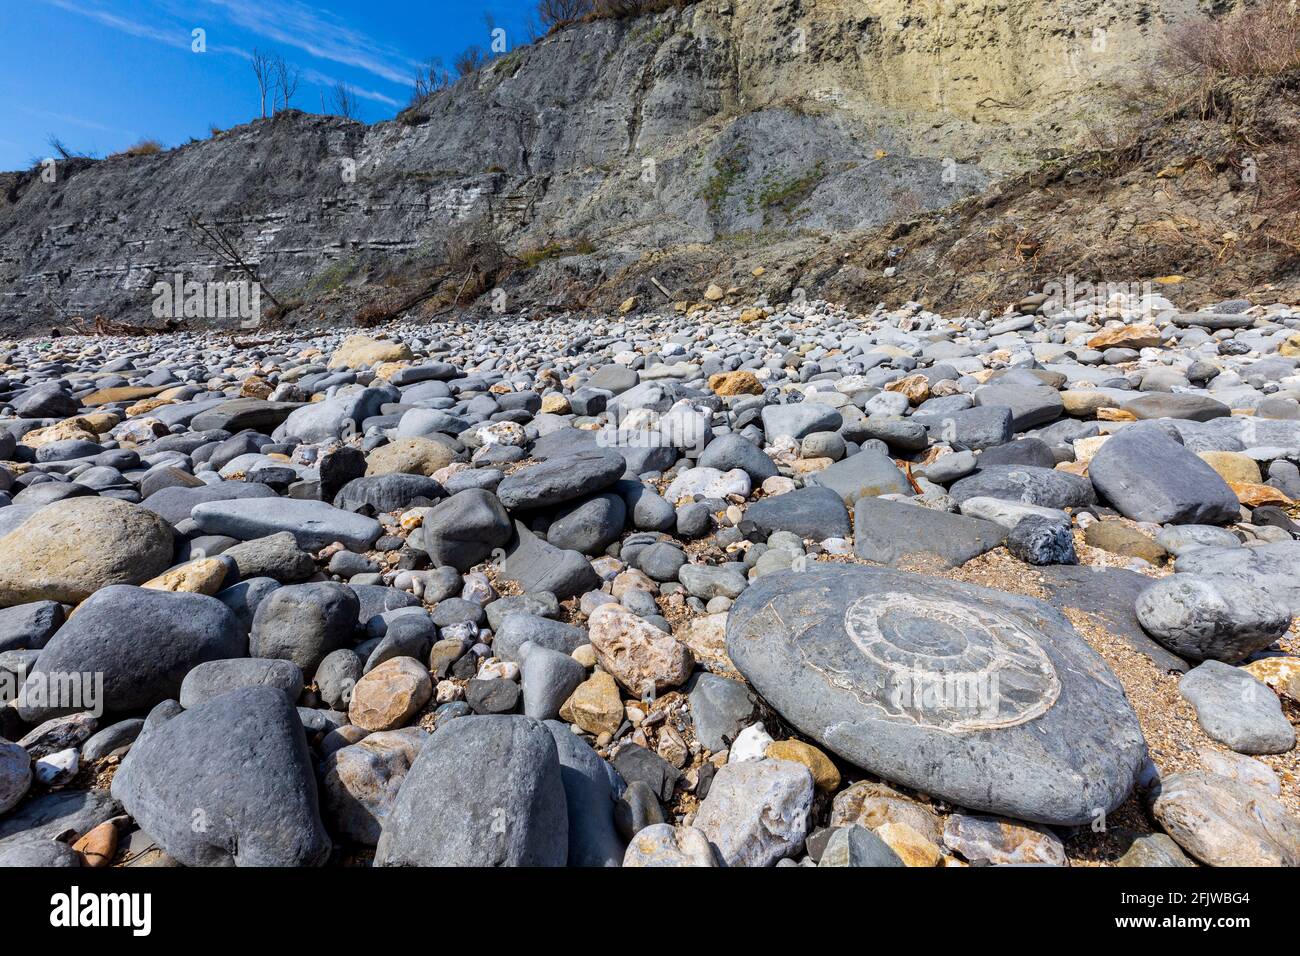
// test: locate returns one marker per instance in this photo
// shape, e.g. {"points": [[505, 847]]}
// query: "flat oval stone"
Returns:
{"points": [[980, 698]]}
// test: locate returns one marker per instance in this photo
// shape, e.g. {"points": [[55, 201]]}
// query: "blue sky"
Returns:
{"points": [[103, 74]]}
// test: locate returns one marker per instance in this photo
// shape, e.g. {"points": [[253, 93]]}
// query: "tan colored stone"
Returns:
{"points": [[390, 695], [585, 655], [359, 783], [635, 652], [388, 369], [410, 456], [101, 422], [1001, 841], [632, 579], [872, 805], [1291, 347], [915, 387], [628, 305], [1253, 495], [1126, 337], [1085, 449], [825, 774], [1224, 822], [1109, 414], [67, 430], [361, 351], [204, 576], [741, 382], [810, 466], [1280, 673], [98, 846], [1084, 402], [69, 550], [753, 315], [147, 405], [255, 387], [706, 637], [1116, 537], [912, 848], [553, 403], [714, 292], [1079, 468], [595, 706], [120, 393], [1232, 466]]}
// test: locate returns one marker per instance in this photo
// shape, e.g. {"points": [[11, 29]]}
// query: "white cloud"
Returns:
{"points": [[323, 36]]}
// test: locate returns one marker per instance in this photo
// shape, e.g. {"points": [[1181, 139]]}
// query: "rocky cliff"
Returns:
{"points": [[606, 143]]}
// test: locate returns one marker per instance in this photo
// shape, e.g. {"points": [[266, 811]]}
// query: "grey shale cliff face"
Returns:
{"points": [[610, 139]]}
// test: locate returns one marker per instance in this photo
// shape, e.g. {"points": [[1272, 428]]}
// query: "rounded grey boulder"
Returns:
{"points": [[215, 678], [1211, 617], [15, 774], [230, 781], [304, 622], [1148, 476], [456, 808], [142, 641], [465, 529], [562, 479]]}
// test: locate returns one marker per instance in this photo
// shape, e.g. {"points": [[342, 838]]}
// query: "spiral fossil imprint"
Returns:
{"points": [[942, 665]]}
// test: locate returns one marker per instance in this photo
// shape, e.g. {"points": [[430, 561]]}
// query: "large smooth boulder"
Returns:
{"points": [[983, 699], [457, 808], [562, 479], [799, 420], [378, 494], [230, 781], [465, 529], [1211, 616], [1027, 484], [142, 642], [175, 502], [304, 622], [1149, 476], [70, 549], [332, 418], [865, 475], [1236, 709], [214, 678]]}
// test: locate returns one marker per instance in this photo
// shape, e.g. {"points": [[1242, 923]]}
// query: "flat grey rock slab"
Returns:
{"points": [[904, 535], [984, 699], [812, 513], [866, 474], [1236, 709], [1027, 484], [313, 524]]}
